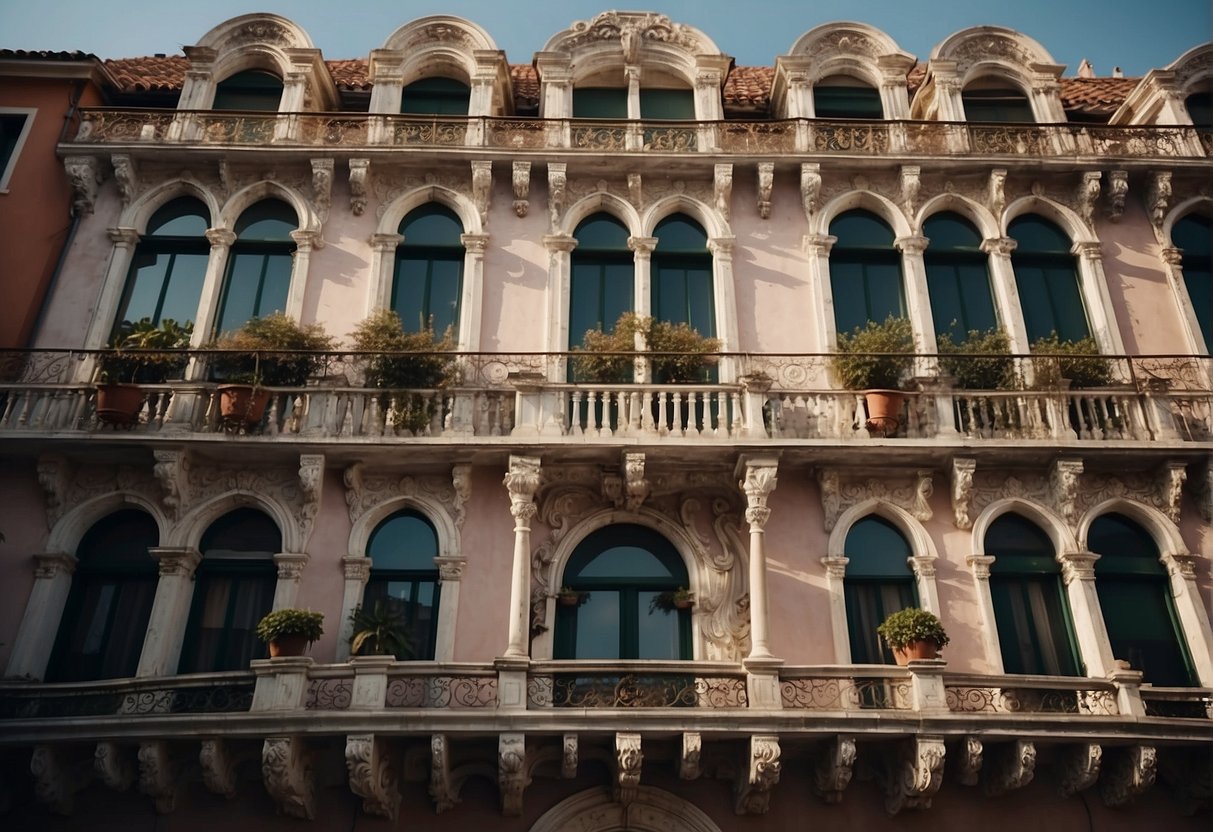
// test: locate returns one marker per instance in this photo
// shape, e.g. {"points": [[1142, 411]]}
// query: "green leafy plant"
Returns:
{"points": [[874, 356], [274, 351], [571, 597], [679, 354], [1079, 361], [398, 360], [291, 622], [381, 631], [911, 624], [966, 363], [671, 600], [139, 358]]}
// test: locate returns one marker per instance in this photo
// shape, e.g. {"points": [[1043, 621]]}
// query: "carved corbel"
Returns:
{"points": [[759, 482], [924, 487], [513, 775], [557, 180], [810, 188], [226, 176], [636, 487], [1158, 197], [373, 776], [766, 181], [914, 774], [970, 761], [171, 470], [1078, 767], [126, 175], [54, 476], [1086, 195], [996, 191], [628, 759], [322, 186], [114, 766], [568, 757], [1129, 773], [636, 190], [56, 779], [831, 496], [521, 180], [757, 776], [482, 187], [443, 791], [962, 491], [1009, 767], [461, 482], [359, 174], [1063, 487], [1201, 485], [83, 175], [311, 485], [722, 187], [833, 769], [1118, 192], [688, 760], [1169, 486], [910, 185], [158, 775], [286, 770], [218, 767]]}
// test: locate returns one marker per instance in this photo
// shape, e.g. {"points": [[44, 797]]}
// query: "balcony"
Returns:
{"points": [[110, 128], [775, 400]]}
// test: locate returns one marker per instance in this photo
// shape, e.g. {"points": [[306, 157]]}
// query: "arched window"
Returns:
{"points": [[436, 97], [404, 576], [105, 619], [1200, 108], [995, 100], [620, 571], [843, 96], [878, 583], [865, 271], [1030, 603], [682, 275], [1193, 235], [667, 104], [600, 102], [1046, 280], [234, 589], [602, 276], [428, 280], [165, 280], [253, 89], [259, 265], [1135, 598], [958, 279]]}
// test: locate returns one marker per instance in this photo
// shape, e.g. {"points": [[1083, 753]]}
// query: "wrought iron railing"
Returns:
{"points": [[192, 694], [1178, 703], [596, 685], [845, 689], [1030, 695]]}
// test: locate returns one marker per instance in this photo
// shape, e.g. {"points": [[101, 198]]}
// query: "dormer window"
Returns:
{"points": [[600, 102], [996, 101], [1200, 108], [252, 89], [841, 96], [667, 104], [436, 97]]}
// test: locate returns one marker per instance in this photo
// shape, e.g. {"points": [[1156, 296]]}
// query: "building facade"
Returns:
{"points": [[533, 508]]}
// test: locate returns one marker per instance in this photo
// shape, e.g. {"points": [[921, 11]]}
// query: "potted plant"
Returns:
{"points": [[912, 633], [672, 599], [1077, 361], [138, 358], [273, 351], [288, 632], [380, 631], [405, 362], [569, 597], [680, 355], [966, 362], [874, 358]]}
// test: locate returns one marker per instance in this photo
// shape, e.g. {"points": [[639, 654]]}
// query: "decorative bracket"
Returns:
{"points": [[914, 774], [1158, 198], [688, 760], [359, 170], [513, 775], [1118, 192], [910, 185], [126, 174], [766, 181], [757, 776], [322, 187], [521, 180], [1169, 488], [636, 190], [373, 776], [568, 757], [218, 767], [833, 769], [171, 470], [1078, 766], [84, 175], [1063, 487], [443, 790], [810, 188], [1010, 767], [962, 491], [557, 180], [996, 196], [114, 766], [56, 780], [722, 187], [628, 759], [482, 187], [157, 775], [1087, 194], [286, 770], [632, 489], [970, 761], [54, 475], [311, 484], [1129, 773]]}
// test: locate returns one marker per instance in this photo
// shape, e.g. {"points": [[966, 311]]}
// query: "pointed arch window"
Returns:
{"points": [[1047, 280], [404, 576], [878, 583], [995, 100], [958, 277], [682, 275], [107, 611], [620, 570], [253, 90], [1030, 605], [169, 266], [259, 265], [436, 97], [233, 589], [601, 277], [842, 96], [1135, 598], [865, 271], [427, 283], [1193, 235]]}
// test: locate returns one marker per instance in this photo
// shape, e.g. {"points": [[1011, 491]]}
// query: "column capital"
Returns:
{"points": [[356, 568], [450, 569], [999, 245], [759, 481], [836, 566], [220, 237], [386, 243], [474, 243], [48, 565], [181, 561], [980, 564], [1173, 256], [290, 564], [643, 246], [522, 481], [722, 246], [818, 245], [121, 236], [1077, 565], [923, 566], [913, 244], [559, 242], [1090, 250], [305, 240]]}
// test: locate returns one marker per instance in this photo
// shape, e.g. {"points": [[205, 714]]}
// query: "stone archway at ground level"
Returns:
{"points": [[652, 810]]}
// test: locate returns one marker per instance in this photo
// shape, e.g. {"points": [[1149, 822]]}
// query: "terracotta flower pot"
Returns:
{"points": [[915, 650], [569, 599], [119, 404], [288, 646], [683, 604], [884, 411], [242, 403]]}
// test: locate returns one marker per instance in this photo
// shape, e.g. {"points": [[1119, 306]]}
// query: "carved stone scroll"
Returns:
{"points": [[513, 775], [443, 790], [373, 775], [757, 776], [126, 175], [1078, 767], [172, 472], [722, 188], [970, 761], [839, 493], [833, 769], [557, 182], [1118, 192], [962, 491], [568, 757], [810, 187], [114, 766], [766, 181], [482, 187], [1128, 773], [359, 174], [1010, 766], [286, 770], [158, 775], [688, 760], [56, 779], [1086, 195], [1158, 197], [83, 175], [1063, 487], [322, 186], [911, 183], [996, 197], [914, 774], [218, 767], [521, 180], [628, 760]]}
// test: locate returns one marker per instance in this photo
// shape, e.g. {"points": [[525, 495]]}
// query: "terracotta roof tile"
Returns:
{"points": [[46, 55], [151, 74], [526, 86], [350, 75], [1096, 95], [748, 88]]}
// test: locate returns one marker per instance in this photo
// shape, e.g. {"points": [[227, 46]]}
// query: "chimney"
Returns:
{"points": [[1117, 73], [1085, 70]]}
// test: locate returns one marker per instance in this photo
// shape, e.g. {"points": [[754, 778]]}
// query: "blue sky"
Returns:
{"points": [[1133, 35]]}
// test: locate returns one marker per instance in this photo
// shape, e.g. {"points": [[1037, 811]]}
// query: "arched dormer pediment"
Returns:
{"points": [[631, 32], [1159, 97], [979, 48]]}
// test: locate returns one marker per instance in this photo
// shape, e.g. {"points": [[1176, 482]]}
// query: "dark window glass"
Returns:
{"points": [[107, 610], [998, 105], [1030, 604], [667, 104], [682, 275], [10, 131], [623, 568], [600, 102], [878, 583], [1199, 105], [402, 551], [1135, 598], [249, 90], [168, 267], [958, 279], [1193, 235], [436, 96], [233, 590], [865, 271], [601, 277], [259, 265], [428, 281], [845, 97], [1046, 280]]}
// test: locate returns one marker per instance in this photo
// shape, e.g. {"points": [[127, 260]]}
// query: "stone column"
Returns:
{"points": [[1094, 287], [817, 248], [221, 240], [450, 574], [474, 246], [43, 612], [357, 571], [762, 668], [724, 300], [1193, 617], [521, 481], [383, 268], [102, 323], [923, 567], [632, 74], [1078, 574], [1006, 292], [305, 241], [836, 572], [559, 339], [1174, 258], [170, 611], [980, 566], [642, 247], [290, 570]]}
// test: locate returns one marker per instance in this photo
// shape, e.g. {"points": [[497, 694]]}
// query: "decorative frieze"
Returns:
{"points": [[839, 493], [914, 774], [521, 180], [757, 776], [833, 768], [286, 770], [373, 775], [513, 773]]}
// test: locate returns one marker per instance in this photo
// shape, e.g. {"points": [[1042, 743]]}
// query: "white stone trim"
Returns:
{"points": [[1173, 267], [43, 613]]}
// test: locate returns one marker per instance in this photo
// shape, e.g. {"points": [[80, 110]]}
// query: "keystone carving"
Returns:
{"points": [[970, 761], [628, 759], [1086, 196], [1063, 487], [56, 780], [373, 775], [839, 494], [568, 757], [83, 175], [114, 766], [914, 774], [311, 482], [723, 188], [557, 182], [157, 775], [126, 175], [757, 776], [322, 186], [766, 181], [962, 491], [218, 767], [996, 196], [631, 490], [1128, 773], [1118, 192], [482, 188], [172, 472], [512, 772], [810, 187], [286, 770], [1009, 767], [521, 180], [443, 790], [833, 769], [1158, 197], [359, 174], [1078, 767], [688, 760]]}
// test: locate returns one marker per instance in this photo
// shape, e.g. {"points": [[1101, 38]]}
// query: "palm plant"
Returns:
{"points": [[381, 631]]}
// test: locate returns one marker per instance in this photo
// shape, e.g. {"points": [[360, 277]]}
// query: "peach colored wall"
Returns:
{"points": [[488, 544], [23, 523], [323, 581]]}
